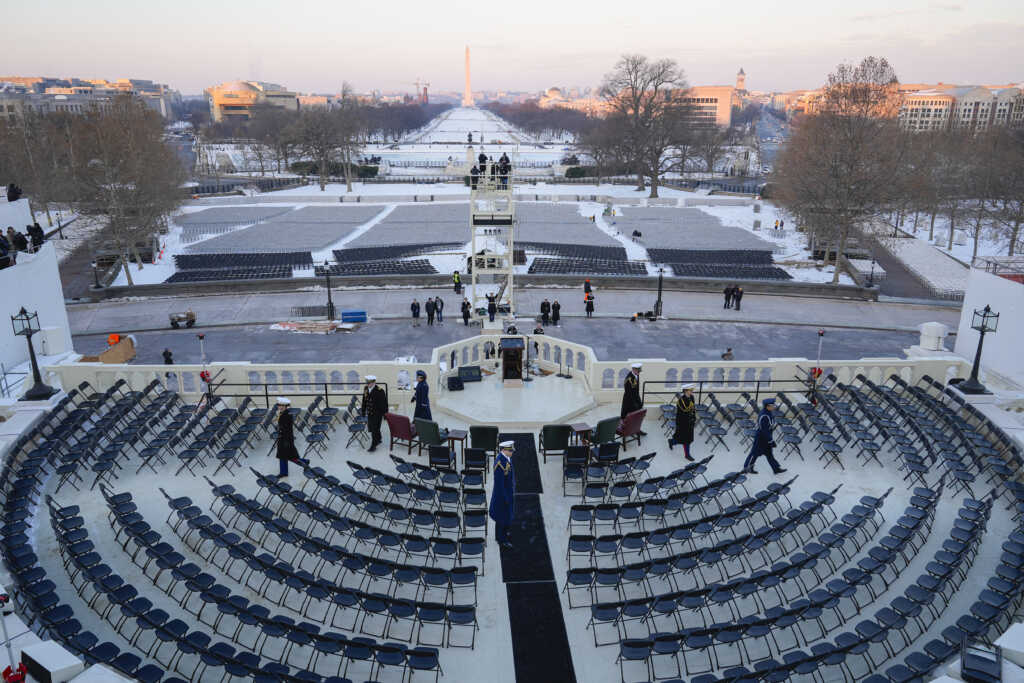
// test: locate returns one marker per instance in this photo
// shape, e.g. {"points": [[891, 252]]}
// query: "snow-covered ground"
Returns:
{"points": [[78, 230], [994, 239], [944, 275]]}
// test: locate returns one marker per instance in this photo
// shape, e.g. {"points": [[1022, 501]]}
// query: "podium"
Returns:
{"points": [[512, 353]]}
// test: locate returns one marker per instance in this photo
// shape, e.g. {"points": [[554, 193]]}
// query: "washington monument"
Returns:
{"points": [[467, 96]]}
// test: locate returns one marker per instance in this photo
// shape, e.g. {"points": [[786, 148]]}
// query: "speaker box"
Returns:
{"points": [[455, 384], [48, 662], [470, 373]]}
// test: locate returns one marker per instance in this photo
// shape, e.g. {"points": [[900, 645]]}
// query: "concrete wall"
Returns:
{"points": [[1002, 349], [35, 284], [15, 214]]}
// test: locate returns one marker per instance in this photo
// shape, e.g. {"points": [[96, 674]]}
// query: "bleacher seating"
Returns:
{"points": [[247, 273], [578, 251], [383, 267], [390, 252], [579, 266], [295, 259], [749, 257]]}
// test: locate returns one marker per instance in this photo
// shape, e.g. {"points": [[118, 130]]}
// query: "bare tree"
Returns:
{"points": [[320, 137], [650, 97], [125, 172], [709, 144], [604, 143], [841, 161], [352, 129], [1008, 188]]}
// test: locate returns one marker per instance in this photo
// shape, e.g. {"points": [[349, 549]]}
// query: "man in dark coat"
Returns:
{"points": [[686, 418], [483, 162], [439, 309], [492, 306], [36, 233], [415, 307], [285, 437], [430, 310], [631, 391], [168, 357], [556, 312], [375, 404], [728, 296], [503, 504], [763, 442], [474, 177], [421, 397], [737, 295], [466, 310], [545, 311], [589, 307]]}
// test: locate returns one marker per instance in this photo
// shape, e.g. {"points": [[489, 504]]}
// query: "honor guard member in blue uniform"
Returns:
{"points": [[375, 404], [631, 391], [686, 418], [503, 494], [285, 436], [422, 397], [763, 442]]}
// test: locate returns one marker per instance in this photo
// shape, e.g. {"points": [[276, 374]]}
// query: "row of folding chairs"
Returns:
{"points": [[288, 640]]}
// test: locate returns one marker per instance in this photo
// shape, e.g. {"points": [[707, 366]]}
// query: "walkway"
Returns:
{"points": [[239, 309]]}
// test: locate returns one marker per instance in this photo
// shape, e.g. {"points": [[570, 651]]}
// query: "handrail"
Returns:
{"points": [[326, 393], [720, 386]]}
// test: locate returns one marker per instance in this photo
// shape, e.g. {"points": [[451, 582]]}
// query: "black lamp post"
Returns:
{"points": [[984, 321], [330, 303], [95, 276], [26, 324], [657, 304]]}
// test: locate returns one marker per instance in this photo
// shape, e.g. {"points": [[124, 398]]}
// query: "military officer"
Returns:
{"points": [[763, 443], [421, 397], [631, 394], [375, 404], [686, 418], [502, 506]]}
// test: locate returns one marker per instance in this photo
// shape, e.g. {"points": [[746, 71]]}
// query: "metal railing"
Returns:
{"points": [[755, 387], [5, 385], [312, 390], [1002, 266]]}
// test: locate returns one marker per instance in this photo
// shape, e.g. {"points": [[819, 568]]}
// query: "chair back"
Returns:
{"points": [[608, 452], [577, 455], [632, 423], [484, 436], [399, 426], [605, 430], [440, 457], [555, 437], [428, 432], [476, 459]]}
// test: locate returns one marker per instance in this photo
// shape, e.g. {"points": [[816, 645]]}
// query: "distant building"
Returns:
{"points": [[741, 81], [713, 103], [234, 100], [969, 107], [44, 94]]}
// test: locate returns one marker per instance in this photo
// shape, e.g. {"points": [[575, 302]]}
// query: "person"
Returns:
{"points": [[7, 252], [466, 309], [415, 313], [728, 355], [13, 193], [488, 350], [503, 494], [776, 224], [483, 162], [586, 286], [474, 177], [430, 310], [492, 307], [538, 329], [469, 137], [631, 391], [375, 404], [421, 397], [439, 309], [686, 418], [512, 330], [15, 240], [457, 282], [589, 306], [728, 296], [556, 312], [763, 443], [545, 311], [168, 357], [737, 296], [286, 450], [36, 233], [494, 169], [782, 224]]}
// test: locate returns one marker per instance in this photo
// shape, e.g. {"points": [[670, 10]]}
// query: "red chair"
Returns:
{"points": [[630, 426], [402, 431]]}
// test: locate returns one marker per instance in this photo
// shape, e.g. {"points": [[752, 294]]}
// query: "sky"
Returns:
{"points": [[315, 45]]}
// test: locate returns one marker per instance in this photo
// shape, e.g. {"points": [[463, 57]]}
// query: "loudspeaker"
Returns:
{"points": [[455, 384], [470, 373]]}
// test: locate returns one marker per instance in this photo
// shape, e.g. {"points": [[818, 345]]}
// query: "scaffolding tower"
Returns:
{"points": [[492, 219]]}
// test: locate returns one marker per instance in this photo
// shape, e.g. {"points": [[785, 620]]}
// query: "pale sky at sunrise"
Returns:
{"points": [[313, 45]]}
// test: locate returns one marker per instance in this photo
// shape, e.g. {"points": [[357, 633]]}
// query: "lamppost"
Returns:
{"points": [[95, 276], [330, 303], [984, 321], [26, 324], [871, 275], [657, 304]]}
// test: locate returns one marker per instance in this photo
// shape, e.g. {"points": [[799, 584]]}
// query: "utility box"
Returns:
{"points": [[52, 341]]}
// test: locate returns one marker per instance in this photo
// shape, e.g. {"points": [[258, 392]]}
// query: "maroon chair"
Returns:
{"points": [[402, 431], [630, 426]]}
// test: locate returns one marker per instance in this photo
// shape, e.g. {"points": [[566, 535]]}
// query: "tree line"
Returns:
{"points": [[851, 172], [110, 162]]}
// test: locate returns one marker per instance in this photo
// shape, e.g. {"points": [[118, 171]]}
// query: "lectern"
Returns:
{"points": [[512, 352]]}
